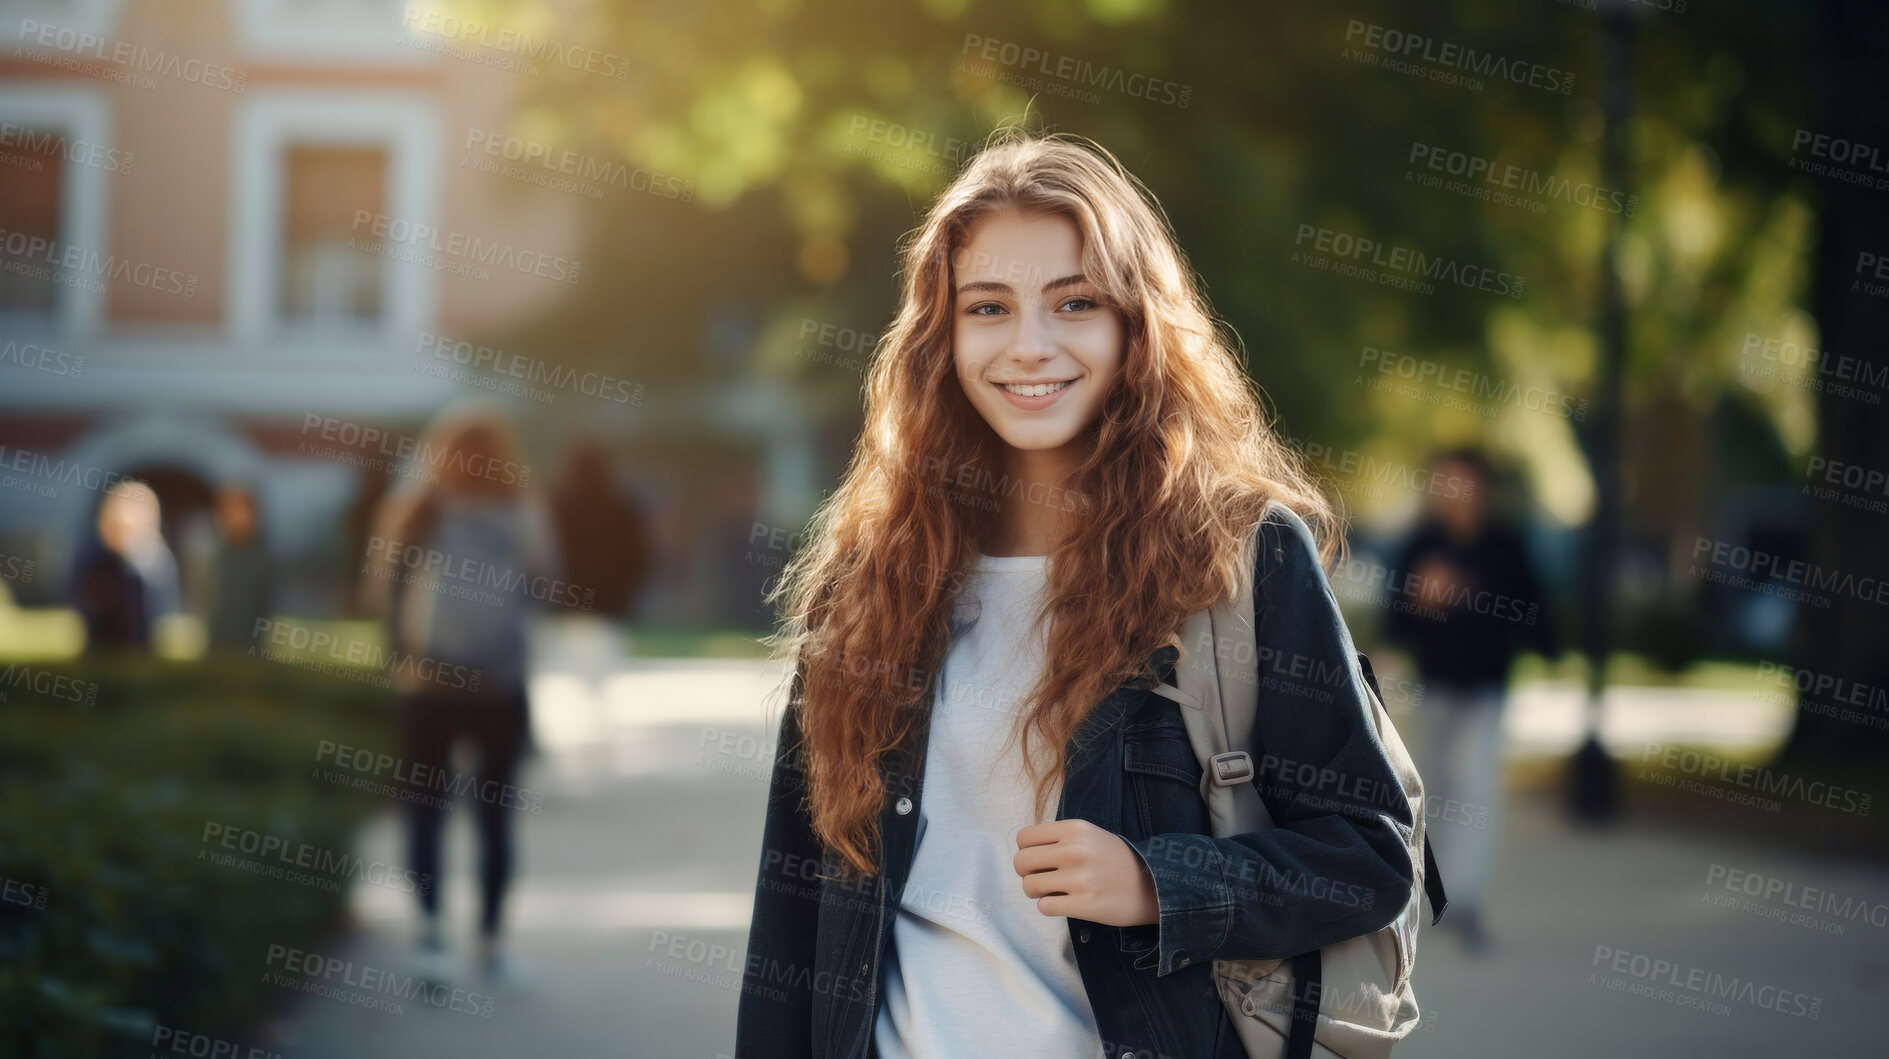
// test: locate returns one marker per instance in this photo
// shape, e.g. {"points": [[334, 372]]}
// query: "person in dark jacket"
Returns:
{"points": [[1468, 602], [125, 578]]}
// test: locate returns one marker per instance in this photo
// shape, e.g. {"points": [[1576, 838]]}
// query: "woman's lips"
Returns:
{"points": [[1032, 404]]}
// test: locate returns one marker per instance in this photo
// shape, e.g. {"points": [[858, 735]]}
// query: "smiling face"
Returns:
{"points": [[1035, 346]]}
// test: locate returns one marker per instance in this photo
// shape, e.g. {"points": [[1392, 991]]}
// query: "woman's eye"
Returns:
{"points": [[978, 309], [1077, 305]]}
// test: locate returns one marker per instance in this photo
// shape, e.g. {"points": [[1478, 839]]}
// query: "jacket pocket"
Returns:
{"points": [[1161, 779]]}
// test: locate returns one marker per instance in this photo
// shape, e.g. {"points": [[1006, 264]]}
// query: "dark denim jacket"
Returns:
{"points": [[1335, 866]]}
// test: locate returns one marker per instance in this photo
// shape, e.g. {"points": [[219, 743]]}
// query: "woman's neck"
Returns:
{"points": [[1037, 509]]}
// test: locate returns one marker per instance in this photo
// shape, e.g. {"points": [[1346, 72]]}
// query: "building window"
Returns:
{"points": [[32, 179], [326, 282]]}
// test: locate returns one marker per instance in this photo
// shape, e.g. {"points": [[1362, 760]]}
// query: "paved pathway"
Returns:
{"points": [[632, 904]]}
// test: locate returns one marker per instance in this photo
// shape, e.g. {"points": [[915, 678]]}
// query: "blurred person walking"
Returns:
{"points": [[602, 536], [125, 577], [1470, 601], [604, 541], [457, 557], [241, 580]]}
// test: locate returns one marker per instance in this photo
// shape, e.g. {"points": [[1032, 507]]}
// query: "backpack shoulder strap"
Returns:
{"points": [[1216, 681]]}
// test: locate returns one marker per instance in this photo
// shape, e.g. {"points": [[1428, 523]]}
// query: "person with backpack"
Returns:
{"points": [[985, 831], [459, 555]]}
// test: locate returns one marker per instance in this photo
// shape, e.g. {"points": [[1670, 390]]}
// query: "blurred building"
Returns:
{"points": [[229, 247]]}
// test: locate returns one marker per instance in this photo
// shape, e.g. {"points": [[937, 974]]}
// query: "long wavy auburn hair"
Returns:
{"points": [[1180, 465]]}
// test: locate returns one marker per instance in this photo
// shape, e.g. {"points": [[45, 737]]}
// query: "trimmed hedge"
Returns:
{"points": [[116, 920]]}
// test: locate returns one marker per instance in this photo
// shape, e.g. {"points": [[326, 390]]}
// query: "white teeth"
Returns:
{"points": [[1041, 389]]}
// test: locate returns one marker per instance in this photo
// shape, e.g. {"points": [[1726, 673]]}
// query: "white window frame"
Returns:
{"points": [[406, 125], [80, 112], [291, 30], [83, 16]]}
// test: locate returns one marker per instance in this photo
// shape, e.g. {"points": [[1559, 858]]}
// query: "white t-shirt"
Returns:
{"points": [[975, 969]]}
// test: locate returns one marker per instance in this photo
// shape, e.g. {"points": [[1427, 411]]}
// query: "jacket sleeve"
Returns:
{"points": [[775, 1016], [1336, 864]]}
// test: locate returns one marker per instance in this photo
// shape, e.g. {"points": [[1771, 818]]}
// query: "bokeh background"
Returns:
{"points": [[252, 248]]}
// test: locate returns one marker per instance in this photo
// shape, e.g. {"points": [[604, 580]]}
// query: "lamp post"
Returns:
{"points": [[1593, 777]]}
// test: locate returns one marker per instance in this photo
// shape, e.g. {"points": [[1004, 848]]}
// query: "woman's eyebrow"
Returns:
{"points": [[1005, 288]]}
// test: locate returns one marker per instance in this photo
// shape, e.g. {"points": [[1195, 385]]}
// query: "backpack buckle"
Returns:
{"points": [[1231, 768]]}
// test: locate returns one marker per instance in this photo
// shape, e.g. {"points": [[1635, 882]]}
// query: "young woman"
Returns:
{"points": [[984, 834], [466, 508]]}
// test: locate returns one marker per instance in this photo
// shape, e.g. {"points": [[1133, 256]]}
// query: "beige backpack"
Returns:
{"points": [[1352, 999]]}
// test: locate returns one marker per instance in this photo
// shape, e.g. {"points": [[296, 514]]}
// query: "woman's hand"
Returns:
{"points": [[1074, 868]]}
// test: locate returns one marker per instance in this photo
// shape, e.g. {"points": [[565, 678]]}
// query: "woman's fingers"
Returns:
{"points": [[1032, 859], [1044, 883]]}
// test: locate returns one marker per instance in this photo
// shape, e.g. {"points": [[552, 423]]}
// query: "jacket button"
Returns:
{"points": [[1083, 935], [904, 806]]}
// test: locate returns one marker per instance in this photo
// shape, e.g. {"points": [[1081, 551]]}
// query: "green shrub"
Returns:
{"points": [[103, 807]]}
